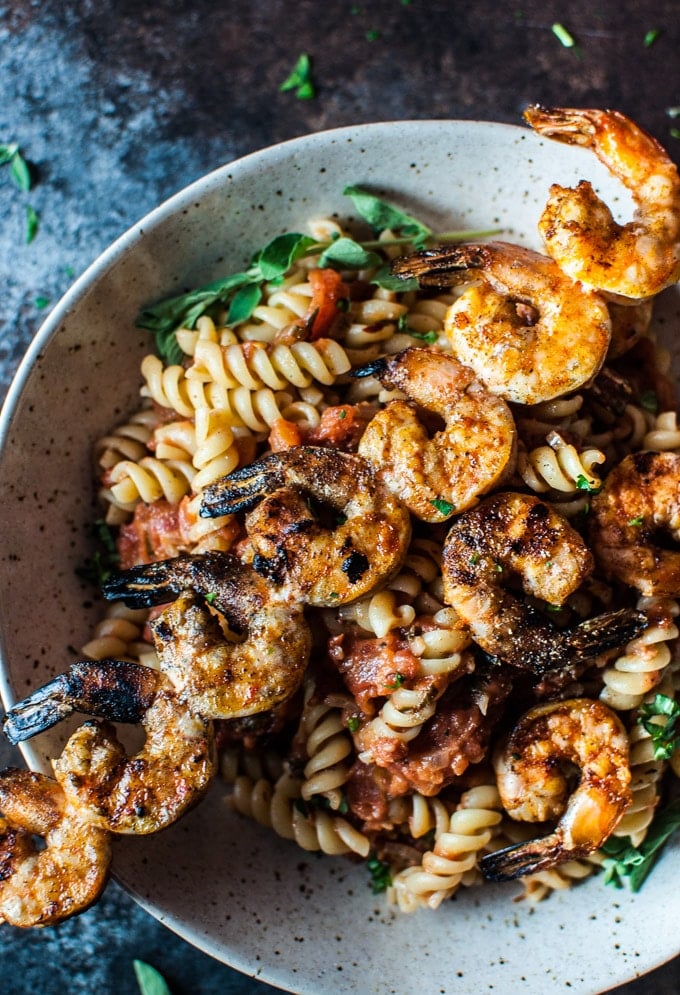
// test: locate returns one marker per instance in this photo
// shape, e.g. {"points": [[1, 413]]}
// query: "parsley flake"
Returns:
{"points": [[442, 506], [398, 681], [353, 723], [651, 36], [32, 223], [381, 877], [636, 521], [583, 484], [210, 597], [563, 36], [300, 79]]}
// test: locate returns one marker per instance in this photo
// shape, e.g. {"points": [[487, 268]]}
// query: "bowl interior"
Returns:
{"points": [[297, 920]]}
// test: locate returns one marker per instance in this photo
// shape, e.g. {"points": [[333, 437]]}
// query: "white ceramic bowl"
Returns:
{"points": [[299, 921]]}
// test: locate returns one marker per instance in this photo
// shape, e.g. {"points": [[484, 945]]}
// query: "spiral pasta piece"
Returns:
{"points": [[148, 480], [640, 667], [126, 441], [120, 634], [422, 814], [455, 852], [281, 808], [275, 366], [559, 466], [664, 436], [327, 746]]}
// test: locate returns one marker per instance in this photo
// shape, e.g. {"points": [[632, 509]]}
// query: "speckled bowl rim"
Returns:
{"points": [[187, 929]]}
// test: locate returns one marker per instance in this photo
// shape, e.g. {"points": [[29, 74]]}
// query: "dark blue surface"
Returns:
{"points": [[118, 105]]}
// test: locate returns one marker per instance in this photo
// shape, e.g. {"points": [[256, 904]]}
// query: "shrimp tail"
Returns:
{"points": [[117, 690], [604, 632], [561, 124], [376, 368], [219, 577], [437, 267], [242, 489], [519, 859]]}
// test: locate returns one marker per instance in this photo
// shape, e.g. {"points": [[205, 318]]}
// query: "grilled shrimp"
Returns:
{"points": [[528, 330], [322, 565], [533, 787], [640, 501], [220, 677], [635, 260], [446, 473], [516, 534], [124, 794], [40, 887]]}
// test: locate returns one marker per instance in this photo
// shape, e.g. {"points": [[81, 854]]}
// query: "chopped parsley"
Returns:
{"points": [[372, 35], [381, 877], [666, 734], [636, 521], [41, 303], [398, 681], [563, 36], [583, 484], [210, 597], [300, 79], [442, 506], [474, 559], [353, 723], [651, 36]]}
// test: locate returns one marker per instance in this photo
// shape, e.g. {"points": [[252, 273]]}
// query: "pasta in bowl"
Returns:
{"points": [[276, 375]]}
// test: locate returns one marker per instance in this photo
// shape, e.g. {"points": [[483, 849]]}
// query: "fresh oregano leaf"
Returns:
{"points": [[150, 981], [380, 215], [345, 253]]}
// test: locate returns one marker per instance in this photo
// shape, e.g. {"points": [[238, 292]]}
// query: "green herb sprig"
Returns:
{"points": [[241, 292], [22, 178], [627, 863], [666, 733]]}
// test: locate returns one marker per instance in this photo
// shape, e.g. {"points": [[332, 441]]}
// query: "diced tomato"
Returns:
{"points": [[153, 534], [342, 426], [284, 435], [328, 288]]}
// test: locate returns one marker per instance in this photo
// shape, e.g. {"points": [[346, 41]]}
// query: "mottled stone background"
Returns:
{"points": [[118, 105]]}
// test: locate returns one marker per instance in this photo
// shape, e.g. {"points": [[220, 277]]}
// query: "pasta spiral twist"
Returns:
{"points": [[327, 746], [559, 466], [664, 436], [455, 852], [275, 366], [640, 667], [280, 807], [120, 635]]}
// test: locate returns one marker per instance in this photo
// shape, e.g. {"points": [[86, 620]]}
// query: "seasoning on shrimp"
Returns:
{"points": [[363, 547], [533, 787], [529, 331], [438, 474], [634, 260], [516, 534]]}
